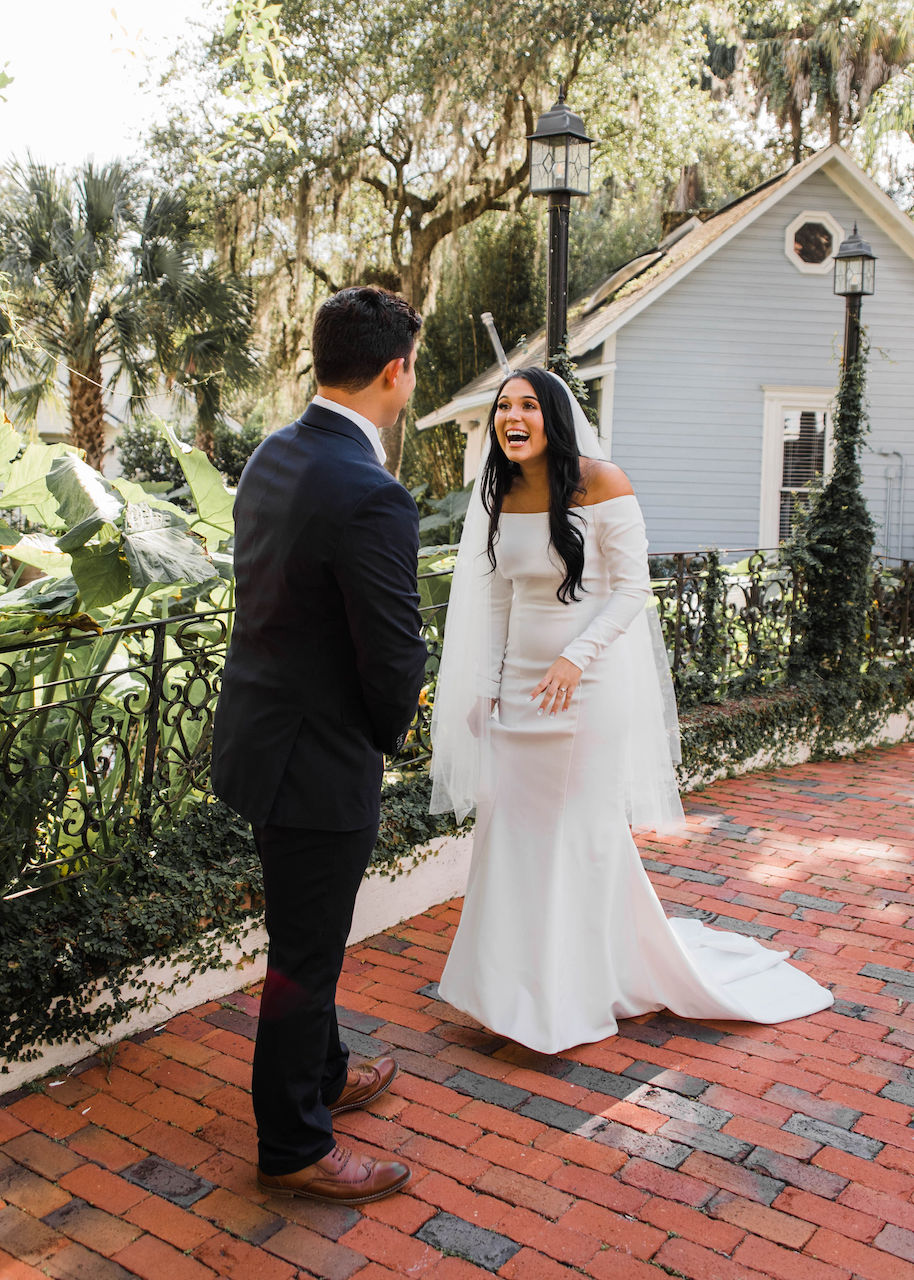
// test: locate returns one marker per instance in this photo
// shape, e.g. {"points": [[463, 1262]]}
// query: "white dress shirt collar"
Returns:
{"points": [[363, 423]]}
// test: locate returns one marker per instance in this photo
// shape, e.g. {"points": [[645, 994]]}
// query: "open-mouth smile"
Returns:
{"points": [[516, 437]]}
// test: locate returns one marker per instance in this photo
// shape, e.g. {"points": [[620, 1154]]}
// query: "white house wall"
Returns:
{"points": [[688, 399]]}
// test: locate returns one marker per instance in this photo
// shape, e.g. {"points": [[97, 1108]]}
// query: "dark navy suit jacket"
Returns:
{"points": [[325, 663]]}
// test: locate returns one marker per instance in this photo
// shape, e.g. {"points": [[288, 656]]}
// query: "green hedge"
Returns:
{"points": [[60, 951]]}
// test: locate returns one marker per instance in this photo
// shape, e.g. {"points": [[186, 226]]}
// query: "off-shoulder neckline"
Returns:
{"points": [[589, 506]]}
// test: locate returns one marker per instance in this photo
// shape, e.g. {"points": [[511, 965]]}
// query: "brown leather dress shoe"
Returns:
{"points": [[364, 1083], [341, 1177]]}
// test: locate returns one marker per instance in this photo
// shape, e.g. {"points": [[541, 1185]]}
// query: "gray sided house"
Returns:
{"points": [[713, 363]]}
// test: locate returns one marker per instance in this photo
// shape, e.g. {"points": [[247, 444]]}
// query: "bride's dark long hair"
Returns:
{"points": [[564, 470]]}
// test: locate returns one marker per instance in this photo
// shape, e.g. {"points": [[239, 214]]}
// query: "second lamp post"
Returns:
{"points": [[559, 169], [855, 276]]}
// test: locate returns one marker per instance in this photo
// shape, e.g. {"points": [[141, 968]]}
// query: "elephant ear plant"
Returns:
{"points": [[75, 644]]}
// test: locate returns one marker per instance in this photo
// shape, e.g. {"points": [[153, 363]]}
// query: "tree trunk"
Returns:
{"points": [[87, 411], [414, 286], [204, 439], [689, 193], [796, 133], [834, 123], [204, 434]]}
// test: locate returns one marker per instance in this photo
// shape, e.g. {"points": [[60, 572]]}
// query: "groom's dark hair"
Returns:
{"points": [[357, 332]]}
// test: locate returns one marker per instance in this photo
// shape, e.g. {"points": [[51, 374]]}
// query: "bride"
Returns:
{"points": [[554, 715]]}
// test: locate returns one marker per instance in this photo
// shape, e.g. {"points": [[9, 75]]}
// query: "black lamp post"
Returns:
{"points": [[855, 275], [559, 169]]}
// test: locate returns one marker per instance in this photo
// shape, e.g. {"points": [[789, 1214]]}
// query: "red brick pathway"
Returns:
{"points": [[715, 1151]]}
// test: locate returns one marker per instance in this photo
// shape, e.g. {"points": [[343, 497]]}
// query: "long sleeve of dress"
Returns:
{"points": [[623, 545], [500, 591]]}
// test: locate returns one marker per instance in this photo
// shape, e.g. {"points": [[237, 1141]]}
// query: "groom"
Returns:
{"points": [[322, 676]]}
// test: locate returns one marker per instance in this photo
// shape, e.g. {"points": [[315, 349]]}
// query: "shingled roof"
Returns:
{"points": [[593, 318]]}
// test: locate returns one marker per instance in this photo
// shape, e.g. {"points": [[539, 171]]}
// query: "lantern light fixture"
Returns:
{"points": [[559, 152], [559, 169], [855, 267]]}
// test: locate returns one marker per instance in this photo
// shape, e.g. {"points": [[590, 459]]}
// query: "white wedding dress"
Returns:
{"points": [[561, 932]]}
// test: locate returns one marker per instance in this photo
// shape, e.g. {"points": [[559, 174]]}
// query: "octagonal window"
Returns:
{"points": [[811, 240]]}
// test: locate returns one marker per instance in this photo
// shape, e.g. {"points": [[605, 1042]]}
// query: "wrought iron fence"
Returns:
{"points": [[891, 621], [96, 746], [96, 743], [728, 628]]}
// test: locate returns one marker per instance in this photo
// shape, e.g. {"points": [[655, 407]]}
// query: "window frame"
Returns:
{"points": [[813, 215], [778, 401]]}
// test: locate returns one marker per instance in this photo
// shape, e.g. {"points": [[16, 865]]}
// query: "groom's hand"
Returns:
{"points": [[557, 687]]}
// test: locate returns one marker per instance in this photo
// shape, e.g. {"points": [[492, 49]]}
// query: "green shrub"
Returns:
{"points": [[59, 950], [232, 447], [147, 457]]}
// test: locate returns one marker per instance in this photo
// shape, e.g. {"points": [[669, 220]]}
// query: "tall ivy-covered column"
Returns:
{"points": [[838, 548]]}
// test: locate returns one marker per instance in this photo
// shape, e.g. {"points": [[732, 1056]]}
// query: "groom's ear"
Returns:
{"points": [[392, 372]]}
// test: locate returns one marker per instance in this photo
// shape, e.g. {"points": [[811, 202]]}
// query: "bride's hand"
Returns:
{"points": [[557, 686]]}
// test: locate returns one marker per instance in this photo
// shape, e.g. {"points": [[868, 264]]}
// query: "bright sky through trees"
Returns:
{"points": [[78, 69]]}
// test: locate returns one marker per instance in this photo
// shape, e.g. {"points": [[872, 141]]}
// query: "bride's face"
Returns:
{"points": [[518, 422]]}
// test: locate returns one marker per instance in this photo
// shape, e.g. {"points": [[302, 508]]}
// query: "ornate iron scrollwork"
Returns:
{"points": [[88, 756], [891, 618]]}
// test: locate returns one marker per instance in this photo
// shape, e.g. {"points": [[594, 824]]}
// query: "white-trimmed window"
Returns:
{"points": [[812, 240], [796, 454]]}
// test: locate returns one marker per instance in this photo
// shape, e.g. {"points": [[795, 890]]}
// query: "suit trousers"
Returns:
{"points": [[310, 879]]}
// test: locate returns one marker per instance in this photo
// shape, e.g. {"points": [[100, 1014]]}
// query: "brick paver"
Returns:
{"points": [[706, 1150]]}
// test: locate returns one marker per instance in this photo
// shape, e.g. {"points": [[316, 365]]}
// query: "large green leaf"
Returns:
{"points": [[117, 689], [147, 494], [212, 500], [160, 556], [27, 489], [38, 604], [140, 517], [447, 514], [83, 494], [43, 594], [80, 534], [101, 574], [10, 444], [41, 552], [224, 562], [436, 566]]}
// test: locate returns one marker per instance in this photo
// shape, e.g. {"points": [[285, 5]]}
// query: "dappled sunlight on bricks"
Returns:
{"points": [[170, 1223], [29, 1191], [104, 1148], [712, 1151], [174, 1143]]}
